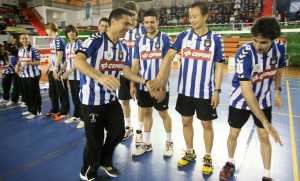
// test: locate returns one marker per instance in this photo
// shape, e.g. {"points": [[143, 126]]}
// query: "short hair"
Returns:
{"points": [[267, 27], [70, 28], [118, 13], [150, 13], [131, 5], [202, 6], [104, 19], [52, 26]]}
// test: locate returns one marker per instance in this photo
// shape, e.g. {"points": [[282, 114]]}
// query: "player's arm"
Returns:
{"points": [[108, 81], [218, 81], [252, 102], [59, 56], [129, 74], [278, 99], [135, 68], [37, 62]]}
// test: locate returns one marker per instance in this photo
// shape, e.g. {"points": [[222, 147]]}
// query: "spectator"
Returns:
{"points": [[185, 20], [232, 19], [277, 16], [298, 15], [220, 19], [250, 17], [10, 22], [168, 11], [170, 20], [286, 16], [247, 24], [174, 20], [226, 19], [256, 15], [180, 20]]}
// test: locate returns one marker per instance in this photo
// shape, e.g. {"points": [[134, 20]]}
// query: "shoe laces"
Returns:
{"points": [[227, 167], [186, 154], [207, 161]]}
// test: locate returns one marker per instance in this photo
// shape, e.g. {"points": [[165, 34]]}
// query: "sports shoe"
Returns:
{"points": [[168, 149], [128, 132], [31, 116], [207, 165], [97, 178], [227, 170], [23, 105], [80, 125], [50, 114], [139, 138], [187, 158], [71, 120], [2, 100], [142, 149], [111, 171], [83, 177], [39, 114], [59, 117], [10, 103], [266, 179], [26, 113]]}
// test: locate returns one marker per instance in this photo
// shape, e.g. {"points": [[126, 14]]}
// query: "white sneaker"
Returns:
{"points": [[10, 103], [83, 177], [23, 105], [2, 100], [139, 138], [71, 120], [31, 116], [39, 114], [80, 125], [142, 149], [26, 113], [168, 149]]}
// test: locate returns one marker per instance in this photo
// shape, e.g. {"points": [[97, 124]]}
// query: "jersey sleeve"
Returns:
{"points": [[35, 54], [243, 64], [136, 54], [90, 46], [59, 44], [167, 44], [281, 63], [219, 50], [127, 62], [178, 42]]}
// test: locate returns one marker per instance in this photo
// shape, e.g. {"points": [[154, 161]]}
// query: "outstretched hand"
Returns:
{"points": [[160, 95], [110, 82], [272, 131]]}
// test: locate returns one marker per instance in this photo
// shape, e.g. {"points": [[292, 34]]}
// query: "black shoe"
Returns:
{"points": [[97, 178], [266, 179], [111, 170], [227, 171]]}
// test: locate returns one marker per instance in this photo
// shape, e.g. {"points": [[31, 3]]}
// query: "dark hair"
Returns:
{"points": [[29, 46], [16, 36], [267, 27], [118, 13], [150, 13], [104, 19], [202, 6], [131, 5], [70, 28]]}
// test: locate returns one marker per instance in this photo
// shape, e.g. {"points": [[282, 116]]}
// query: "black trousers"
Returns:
{"points": [[17, 88], [31, 89], [96, 118], [24, 98], [75, 88], [6, 84], [58, 90]]}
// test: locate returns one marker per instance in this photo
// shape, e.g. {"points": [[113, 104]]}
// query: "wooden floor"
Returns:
{"points": [[48, 150]]}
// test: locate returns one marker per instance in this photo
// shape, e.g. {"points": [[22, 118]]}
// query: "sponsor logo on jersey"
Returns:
{"points": [[196, 54], [137, 35], [273, 61], [207, 43], [129, 43], [106, 65], [156, 54], [75, 48], [71, 55], [258, 77], [157, 45], [121, 55], [25, 59], [53, 51]]}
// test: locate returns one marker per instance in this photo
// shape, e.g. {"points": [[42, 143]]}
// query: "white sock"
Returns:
{"points": [[140, 125], [267, 173], [231, 160], [169, 136], [127, 122], [191, 151], [208, 154], [147, 137]]}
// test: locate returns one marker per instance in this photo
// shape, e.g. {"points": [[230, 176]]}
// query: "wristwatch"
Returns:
{"points": [[278, 88], [218, 90]]}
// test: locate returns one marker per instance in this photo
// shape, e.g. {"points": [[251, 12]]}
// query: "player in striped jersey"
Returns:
{"points": [[148, 54], [101, 60], [199, 81], [73, 74], [136, 31], [103, 24], [58, 89], [259, 63], [27, 66]]}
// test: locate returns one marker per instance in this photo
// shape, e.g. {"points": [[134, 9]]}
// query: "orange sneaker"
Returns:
{"points": [[59, 117], [50, 114]]}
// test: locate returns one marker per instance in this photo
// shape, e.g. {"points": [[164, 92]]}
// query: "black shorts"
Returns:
{"points": [[145, 101], [124, 91], [238, 117], [186, 106]]}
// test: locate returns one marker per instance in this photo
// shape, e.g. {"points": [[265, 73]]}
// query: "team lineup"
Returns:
{"points": [[127, 60]]}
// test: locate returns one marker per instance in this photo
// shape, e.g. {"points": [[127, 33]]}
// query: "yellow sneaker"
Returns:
{"points": [[187, 158], [207, 165]]}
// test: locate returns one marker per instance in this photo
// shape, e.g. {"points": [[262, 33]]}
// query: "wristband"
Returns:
{"points": [[218, 90], [132, 86], [278, 88]]}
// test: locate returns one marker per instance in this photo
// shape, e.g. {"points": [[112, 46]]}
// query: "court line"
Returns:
{"points": [[18, 103], [18, 106], [41, 159], [294, 152]]}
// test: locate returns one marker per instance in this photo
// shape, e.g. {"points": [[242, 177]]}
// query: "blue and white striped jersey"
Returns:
{"points": [[30, 55], [198, 57], [131, 37], [5, 64], [150, 52], [260, 69], [109, 59], [57, 44], [70, 55]]}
